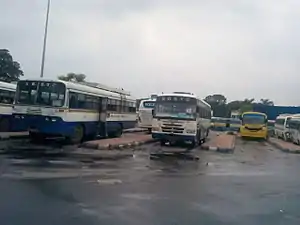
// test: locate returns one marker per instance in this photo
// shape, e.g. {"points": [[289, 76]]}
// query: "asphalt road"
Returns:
{"points": [[257, 184]]}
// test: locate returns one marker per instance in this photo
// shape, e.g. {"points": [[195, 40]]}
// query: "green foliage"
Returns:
{"points": [[246, 108], [218, 104], [10, 70], [73, 77], [216, 99], [266, 101], [221, 109]]}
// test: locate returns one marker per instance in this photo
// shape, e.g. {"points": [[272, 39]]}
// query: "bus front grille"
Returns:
{"points": [[172, 130]]}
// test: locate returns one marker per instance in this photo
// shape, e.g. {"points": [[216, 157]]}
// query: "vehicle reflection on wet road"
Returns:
{"points": [[254, 185]]}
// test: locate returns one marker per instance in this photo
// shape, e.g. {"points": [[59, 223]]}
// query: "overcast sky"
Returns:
{"points": [[239, 48]]}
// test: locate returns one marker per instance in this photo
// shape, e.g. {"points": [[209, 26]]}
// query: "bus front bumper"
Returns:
{"points": [[52, 126], [173, 137], [254, 134]]}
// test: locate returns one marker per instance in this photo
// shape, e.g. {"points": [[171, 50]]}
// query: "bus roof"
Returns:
{"points": [[84, 87], [284, 115], [257, 113], [8, 86], [148, 100], [187, 95]]}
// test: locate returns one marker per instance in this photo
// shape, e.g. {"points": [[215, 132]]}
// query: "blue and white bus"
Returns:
{"points": [[72, 110], [7, 94]]}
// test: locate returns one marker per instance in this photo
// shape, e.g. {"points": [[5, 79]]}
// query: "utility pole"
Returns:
{"points": [[45, 40]]}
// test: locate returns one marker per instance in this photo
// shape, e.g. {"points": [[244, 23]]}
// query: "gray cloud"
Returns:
{"points": [[242, 49]]}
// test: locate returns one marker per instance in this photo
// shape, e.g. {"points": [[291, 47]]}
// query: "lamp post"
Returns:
{"points": [[45, 40]]}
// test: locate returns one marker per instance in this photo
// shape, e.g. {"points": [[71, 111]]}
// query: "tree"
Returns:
{"points": [[10, 70], [216, 98], [75, 77], [218, 104], [248, 101], [234, 105], [246, 108], [265, 101]]}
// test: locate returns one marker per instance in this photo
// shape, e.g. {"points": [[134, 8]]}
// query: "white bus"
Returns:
{"points": [[181, 117], [72, 110], [281, 127], [145, 113], [294, 129], [7, 94]]}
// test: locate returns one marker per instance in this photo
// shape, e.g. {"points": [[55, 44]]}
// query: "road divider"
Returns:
{"points": [[124, 142], [221, 143], [284, 146]]}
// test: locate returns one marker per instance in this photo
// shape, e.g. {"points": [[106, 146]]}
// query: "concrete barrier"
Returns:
{"points": [[222, 143]]}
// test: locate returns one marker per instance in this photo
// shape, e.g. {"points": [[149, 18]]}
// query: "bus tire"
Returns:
{"points": [[117, 133], [36, 137], [197, 140], [4, 125], [149, 130], [78, 134]]}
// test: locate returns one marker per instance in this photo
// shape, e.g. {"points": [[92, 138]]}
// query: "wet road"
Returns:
{"points": [[257, 184]]}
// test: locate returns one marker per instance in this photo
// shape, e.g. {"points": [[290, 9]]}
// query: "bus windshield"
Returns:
{"points": [[179, 110], [40, 93], [253, 119]]}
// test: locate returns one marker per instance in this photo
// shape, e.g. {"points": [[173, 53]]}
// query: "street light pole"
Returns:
{"points": [[45, 40]]}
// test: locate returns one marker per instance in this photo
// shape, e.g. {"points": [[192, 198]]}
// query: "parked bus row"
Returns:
{"points": [[287, 127], [65, 109], [225, 124]]}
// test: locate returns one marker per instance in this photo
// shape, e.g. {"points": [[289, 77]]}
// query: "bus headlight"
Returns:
{"points": [[190, 131]]}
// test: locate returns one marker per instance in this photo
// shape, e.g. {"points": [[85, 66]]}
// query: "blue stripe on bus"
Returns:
{"points": [[60, 127]]}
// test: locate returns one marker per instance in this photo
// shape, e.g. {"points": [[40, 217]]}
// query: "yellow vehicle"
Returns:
{"points": [[254, 124]]}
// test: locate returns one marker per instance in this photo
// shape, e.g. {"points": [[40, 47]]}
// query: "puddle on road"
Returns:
{"points": [[242, 174], [140, 196]]}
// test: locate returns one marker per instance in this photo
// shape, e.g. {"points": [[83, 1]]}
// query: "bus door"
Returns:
{"points": [[102, 109]]}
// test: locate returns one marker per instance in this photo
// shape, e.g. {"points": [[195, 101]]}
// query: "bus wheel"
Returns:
{"points": [[197, 140], [4, 125], [117, 133], [149, 130], [36, 137], [78, 134]]}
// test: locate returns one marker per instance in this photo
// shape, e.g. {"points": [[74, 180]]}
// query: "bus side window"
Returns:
{"points": [[73, 101], [198, 110], [6, 97]]}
